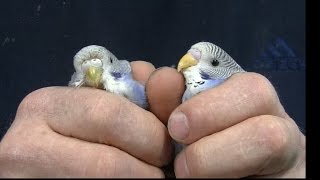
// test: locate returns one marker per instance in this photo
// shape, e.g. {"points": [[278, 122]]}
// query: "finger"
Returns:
{"points": [[258, 146], [44, 153], [97, 116], [164, 90], [141, 70], [242, 96]]}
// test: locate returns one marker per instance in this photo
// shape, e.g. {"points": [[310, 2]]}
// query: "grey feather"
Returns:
{"points": [[121, 66], [77, 79], [93, 52], [226, 64], [116, 74]]}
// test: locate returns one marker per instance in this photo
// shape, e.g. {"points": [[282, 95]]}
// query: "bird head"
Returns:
{"points": [[92, 61], [203, 53]]}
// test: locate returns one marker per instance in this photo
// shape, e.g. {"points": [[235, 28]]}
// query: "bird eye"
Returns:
{"points": [[215, 62], [111, 60]]}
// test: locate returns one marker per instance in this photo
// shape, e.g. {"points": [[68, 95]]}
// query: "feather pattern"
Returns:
{"points": [[214, 66], [115, 77]]}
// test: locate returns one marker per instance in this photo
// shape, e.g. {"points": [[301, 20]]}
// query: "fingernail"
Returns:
{"points": [[181, 169], [178, 126]]}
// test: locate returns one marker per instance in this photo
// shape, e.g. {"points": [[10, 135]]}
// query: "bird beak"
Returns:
{"points": [[93, 76], [186, 61]]}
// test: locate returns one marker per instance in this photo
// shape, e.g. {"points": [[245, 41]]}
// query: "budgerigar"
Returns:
{"points": [[97, 67], [204, 66]]}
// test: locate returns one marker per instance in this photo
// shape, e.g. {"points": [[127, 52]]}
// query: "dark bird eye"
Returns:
{"points": [[111, 60], [215, 62]]}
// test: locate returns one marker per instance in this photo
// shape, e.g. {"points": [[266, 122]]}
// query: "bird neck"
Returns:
{"points": [[192, 74]]}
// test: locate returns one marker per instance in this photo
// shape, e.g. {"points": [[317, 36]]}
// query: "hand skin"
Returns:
{"points": [[84, 132], [237, 129]]}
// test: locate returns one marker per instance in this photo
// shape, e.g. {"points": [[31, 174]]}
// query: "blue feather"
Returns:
{"points": [[204, 75], [116, 75]]}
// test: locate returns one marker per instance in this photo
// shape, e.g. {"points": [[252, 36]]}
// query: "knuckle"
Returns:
{"points": [[272, 135], [35, 101], [263, 89]]}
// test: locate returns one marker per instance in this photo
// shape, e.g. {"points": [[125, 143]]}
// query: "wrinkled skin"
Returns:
{"points": [[85, 132], [236, 129]]}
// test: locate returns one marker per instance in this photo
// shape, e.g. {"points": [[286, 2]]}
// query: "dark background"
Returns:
{"points": [[38, 40]]}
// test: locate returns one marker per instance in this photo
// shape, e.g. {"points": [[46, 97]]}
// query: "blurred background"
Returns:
{"points": [[38, 40]]}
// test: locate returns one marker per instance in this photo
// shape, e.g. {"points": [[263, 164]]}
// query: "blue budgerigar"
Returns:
{"points": [[97, 67], [205, 66]]}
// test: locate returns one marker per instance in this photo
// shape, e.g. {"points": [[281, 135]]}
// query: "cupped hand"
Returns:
{"points": [[84, 132], [237, 129]]}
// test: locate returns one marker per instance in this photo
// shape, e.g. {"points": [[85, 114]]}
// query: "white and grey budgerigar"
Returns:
{"points": [[97, 67], [205, 66]]}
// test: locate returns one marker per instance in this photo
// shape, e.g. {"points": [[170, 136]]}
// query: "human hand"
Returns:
{"points": [[84, 132], [237, 129]]}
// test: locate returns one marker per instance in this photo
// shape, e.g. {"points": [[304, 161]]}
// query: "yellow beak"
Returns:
{"points": [[186, 61], [93, 77]]}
